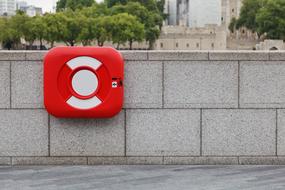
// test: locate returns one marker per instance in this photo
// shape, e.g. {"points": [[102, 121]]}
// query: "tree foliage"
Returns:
{"points": [[62, 5], [265, 17], [270, 19], [85, 22]]}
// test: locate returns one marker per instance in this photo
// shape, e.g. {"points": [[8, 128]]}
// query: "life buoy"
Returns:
{"points": [[87, 82]]}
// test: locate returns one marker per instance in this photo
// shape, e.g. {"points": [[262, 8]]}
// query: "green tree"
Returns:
{"points": [[9, 36], [270, 19], [56, 28], [71, 27], [247, 17], [62, 5], [126, 28], [152, 20], [111, 3], [40, 28], [233, 24]]}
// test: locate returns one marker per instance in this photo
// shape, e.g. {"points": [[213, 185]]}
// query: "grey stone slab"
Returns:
{"points": [[143, 177], [238, 132], [239, 55], [27, 84], [281, 132], [125, 160], [277, 55], [144, 160], [178, 55], [134, 55], [143, 85], [107, 160], [274, 160], [4, 161], [262, 84], [4, 84], [201, 84], [200, 160], [23, 133], [35, 55], [12, 55], [87, 137], [49, 161], [163, 132]]}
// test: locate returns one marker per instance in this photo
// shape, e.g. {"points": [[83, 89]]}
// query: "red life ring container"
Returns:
{"points": [[83, 82]]}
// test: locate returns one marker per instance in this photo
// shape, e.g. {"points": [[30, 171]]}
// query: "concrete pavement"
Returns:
{"points": [[142, 177]]}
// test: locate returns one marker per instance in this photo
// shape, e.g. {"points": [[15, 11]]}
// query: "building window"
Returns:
{"points": [[243, 31], [233, 10], [222, 18], [161, 45], [213, 45], [187, 45], [197, 45], [177, 45]]}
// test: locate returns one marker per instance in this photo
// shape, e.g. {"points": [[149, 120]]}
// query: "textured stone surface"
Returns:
{"points": [[109, 160], [238, 55], [144, 160], [4, 84], [5, 161], [163, 132], [201, 160], [262, 160], [143, 85], [143, 178], [125, 160], [35, 55], [23, 133], [238, 132], [262, 84], [281, 132], [49, 161], [278, 55], [134, 55], [200, 84], [178, 55], [87, 137], [12, 55], [27, 84]]}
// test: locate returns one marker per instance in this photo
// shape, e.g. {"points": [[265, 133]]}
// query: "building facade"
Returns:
{"points": [[7, 7], [242, 39], [188, 28], [30, 10], [210, 37]]}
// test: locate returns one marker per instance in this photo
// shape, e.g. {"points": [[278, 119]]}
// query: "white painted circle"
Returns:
{"points": [[84, 82]]}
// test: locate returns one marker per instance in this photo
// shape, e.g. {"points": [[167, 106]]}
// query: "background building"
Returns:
{"points": [[7, 7], [242, 39], [30, 10], [210, 37], [204, 12], [188, 27]]}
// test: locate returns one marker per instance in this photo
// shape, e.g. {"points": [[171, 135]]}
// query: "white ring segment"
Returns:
{"points": [[84, 82], [84, 61], [84, 104]]}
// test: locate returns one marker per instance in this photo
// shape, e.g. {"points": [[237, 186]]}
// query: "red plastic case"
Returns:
{"points": [[65, 68]]}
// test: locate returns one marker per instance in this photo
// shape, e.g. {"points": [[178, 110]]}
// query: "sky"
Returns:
{"points": [[47, 5], [199, 13], [205, 12]]}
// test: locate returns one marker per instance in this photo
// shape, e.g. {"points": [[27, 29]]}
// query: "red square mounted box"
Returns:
{"points": [[83, 82]]}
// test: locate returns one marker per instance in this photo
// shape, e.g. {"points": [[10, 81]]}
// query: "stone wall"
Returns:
{"points": [[180, 108]]}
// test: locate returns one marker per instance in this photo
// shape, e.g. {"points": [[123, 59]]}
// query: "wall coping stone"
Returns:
{"points": [[135, 55]]}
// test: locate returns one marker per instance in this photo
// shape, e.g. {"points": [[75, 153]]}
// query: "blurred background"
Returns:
{"points": [[143, 24]]}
